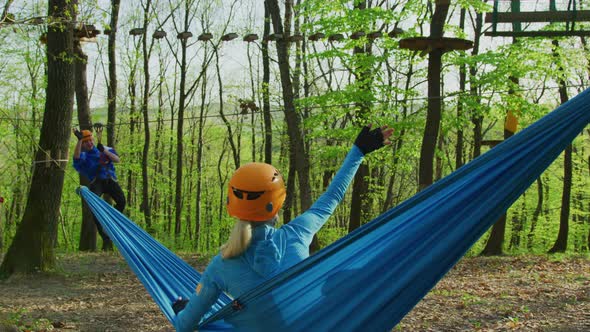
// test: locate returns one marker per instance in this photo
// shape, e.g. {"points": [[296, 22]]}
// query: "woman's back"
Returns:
{"points": [[271, 251], [256, 251]]}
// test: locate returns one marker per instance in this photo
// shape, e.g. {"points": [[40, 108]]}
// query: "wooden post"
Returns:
{"points": [[539, 17], [516, 18], [515, 7]]}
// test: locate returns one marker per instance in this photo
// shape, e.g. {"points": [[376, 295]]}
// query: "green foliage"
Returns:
{"points": [[476, 5], [346, 88], [20, 320], [328, 235]]}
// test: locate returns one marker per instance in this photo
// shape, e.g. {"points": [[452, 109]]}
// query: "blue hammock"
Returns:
{"points": [[371, 278]]}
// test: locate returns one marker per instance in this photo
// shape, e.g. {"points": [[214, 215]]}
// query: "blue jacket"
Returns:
{"points": [[270, 252], [93, 163]]}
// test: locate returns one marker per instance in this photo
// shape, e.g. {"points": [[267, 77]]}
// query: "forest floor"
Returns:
{"points": [[98, 292]]}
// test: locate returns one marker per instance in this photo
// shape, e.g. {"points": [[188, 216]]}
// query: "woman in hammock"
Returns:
{"points": [[256, 250]]}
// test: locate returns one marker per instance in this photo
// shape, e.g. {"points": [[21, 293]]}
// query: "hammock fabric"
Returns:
{"points": [[371, 278]]}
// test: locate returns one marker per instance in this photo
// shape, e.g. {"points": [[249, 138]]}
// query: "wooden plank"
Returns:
{"points": [[427, 44], [544, 16], [491, 142], [537, 33]]}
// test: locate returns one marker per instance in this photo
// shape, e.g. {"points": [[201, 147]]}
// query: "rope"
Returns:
{"points": [[48, 158], [396, 101]]}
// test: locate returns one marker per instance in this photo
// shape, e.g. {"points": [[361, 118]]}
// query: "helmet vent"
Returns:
{"points": [[238, 193], [250, 195]]}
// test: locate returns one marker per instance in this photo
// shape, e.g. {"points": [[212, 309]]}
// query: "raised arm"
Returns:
{"points": [[78, 147], [310, 222], [78, 163], [109, 152]]}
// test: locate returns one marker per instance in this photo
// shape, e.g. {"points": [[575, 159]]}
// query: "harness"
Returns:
{"points": [[103, 161]]}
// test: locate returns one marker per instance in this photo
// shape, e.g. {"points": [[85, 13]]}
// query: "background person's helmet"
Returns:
{"points": [[256, 192], [86, 135]]}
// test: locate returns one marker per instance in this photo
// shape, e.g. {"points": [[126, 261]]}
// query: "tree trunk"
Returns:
{"points": [[495, 242], [230, 133], [132, 89], [494, 246], [265, 90], [476, 119], [32, 248], [438, 170], [459, 161], [433, 116], [179, 143], [536, 214], [398, 144], [200, 143], [561, 242], [293, 119], [159, 153], [251, 108], [88, 228], [518, 221], [289, 208], [171, 184], [145, 199], [14, 212], [360, 204], [112, 85]]}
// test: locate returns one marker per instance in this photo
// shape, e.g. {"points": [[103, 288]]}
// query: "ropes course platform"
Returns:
{"points": [[570, 16]]}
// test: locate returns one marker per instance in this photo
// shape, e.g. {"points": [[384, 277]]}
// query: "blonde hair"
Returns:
{"points": [[239, 240]]}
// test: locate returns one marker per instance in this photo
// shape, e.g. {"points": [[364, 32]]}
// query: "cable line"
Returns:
{"points": [[379, 102]]}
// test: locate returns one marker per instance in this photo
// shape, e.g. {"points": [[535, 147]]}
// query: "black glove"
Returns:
{"points": [[369, 140], [179, 305], [100, 147], [78, 134]]}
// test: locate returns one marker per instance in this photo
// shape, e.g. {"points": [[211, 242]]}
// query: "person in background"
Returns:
{"points": [[97, 164], [256, 250]]}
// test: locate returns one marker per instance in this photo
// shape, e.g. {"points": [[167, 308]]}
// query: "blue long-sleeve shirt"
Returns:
{"points": [[271, 251], [92, 164]]}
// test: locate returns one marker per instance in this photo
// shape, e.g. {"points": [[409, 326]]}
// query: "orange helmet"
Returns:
{"points": [[255, 192], [86, 135]]}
